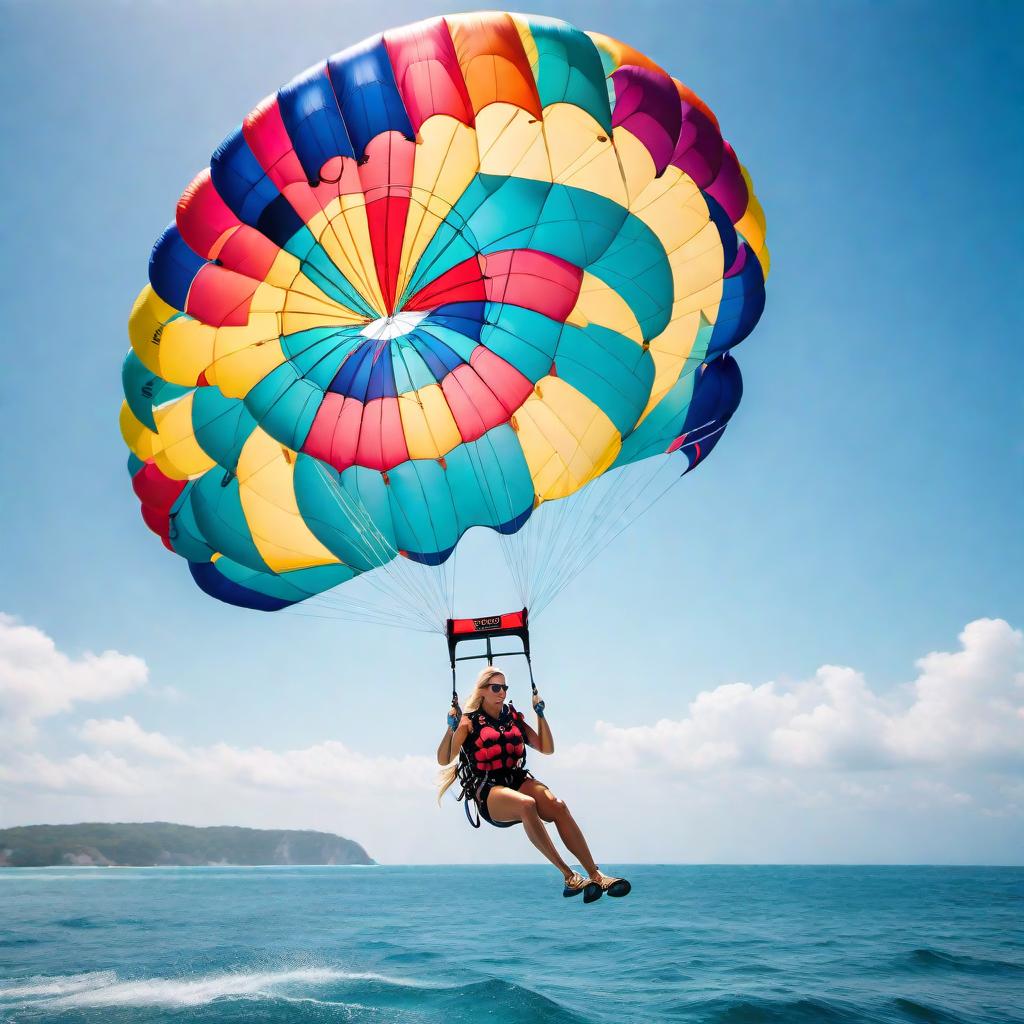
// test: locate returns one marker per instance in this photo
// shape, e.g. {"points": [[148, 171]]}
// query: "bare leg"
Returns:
{"points": [[555, 810], [504, 804]]}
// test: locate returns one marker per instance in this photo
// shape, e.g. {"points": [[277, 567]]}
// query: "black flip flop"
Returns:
{"points": [[592, 892]]}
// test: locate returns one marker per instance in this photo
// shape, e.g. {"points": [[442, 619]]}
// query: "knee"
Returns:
{"points": [[527, 806], [555, 809], [559, 808]]}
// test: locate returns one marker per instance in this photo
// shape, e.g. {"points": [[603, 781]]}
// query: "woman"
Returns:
{"points": [[491, 738]]}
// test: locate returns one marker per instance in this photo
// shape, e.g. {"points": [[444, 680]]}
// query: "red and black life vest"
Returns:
{"points": [[495, 744]]}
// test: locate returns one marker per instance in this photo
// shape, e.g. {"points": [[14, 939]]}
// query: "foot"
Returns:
{"points": [[574, 884], [609, 884]]}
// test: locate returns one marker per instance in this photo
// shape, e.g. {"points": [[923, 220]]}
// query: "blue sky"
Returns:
{"points": [[864, 507]]}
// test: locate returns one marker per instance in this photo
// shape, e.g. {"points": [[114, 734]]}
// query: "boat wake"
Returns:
{"points": [[357, 995]]}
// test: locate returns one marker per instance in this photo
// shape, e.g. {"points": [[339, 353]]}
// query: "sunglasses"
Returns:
{"points": [[499, 687]]}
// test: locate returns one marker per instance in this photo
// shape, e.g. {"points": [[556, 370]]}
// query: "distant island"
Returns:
{"points": [[160, 843]]}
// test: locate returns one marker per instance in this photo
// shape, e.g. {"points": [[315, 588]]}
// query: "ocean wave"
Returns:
{"points": [[937, 959], [516, 1004], [753, 1010], [922, 1013]]}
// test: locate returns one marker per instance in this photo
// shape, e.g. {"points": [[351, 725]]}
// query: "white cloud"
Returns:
{"points": [[324, 767], [328, 766], [163, 767], [126, 734], [38, 681], [104, 774], [964, 708], [968, 705]]}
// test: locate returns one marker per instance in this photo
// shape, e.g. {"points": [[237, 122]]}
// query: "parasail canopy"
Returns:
{"points": [[484, 270]]}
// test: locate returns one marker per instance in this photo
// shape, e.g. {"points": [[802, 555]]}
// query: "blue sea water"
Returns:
{"points": [[412, 945]]}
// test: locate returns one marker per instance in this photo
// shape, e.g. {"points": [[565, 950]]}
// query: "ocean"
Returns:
{"points": [[499, 945]]}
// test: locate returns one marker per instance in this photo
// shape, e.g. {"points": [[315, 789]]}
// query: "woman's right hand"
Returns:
{"points": [[454, 716]]}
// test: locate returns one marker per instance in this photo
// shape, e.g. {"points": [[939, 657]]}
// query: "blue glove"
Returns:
{"points": [[539, 708], [454, 716]]}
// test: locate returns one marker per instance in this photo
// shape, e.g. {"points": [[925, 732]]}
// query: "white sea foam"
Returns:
{"points": [[60, 985], [104, 988]]}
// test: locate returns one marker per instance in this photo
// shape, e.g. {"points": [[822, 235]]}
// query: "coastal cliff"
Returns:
{"points": [[159, 843]]}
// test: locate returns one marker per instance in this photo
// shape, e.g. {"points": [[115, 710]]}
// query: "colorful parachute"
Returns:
{"points": [[446, 278]]}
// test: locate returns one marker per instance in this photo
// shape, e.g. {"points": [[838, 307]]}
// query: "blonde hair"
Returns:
{"points": [[450, 772]]}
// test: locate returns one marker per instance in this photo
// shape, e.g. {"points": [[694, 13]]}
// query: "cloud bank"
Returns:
{"points": [[965, 709], [931, 770]]}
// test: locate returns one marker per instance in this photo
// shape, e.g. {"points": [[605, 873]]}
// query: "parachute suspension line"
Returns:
{"points": [[376, 547], [571, 519], [625, 517], [564, 536], [544, 539], [354, 608], [612, 518], [428, 581], [406, 587], [585, 517], [334, 613], [604, 509]]}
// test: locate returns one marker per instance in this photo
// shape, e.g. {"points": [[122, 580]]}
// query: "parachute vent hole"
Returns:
{"points": [[602, 138]]}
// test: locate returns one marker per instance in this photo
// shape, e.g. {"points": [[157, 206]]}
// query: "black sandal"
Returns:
{"points": [[618, 887]]}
